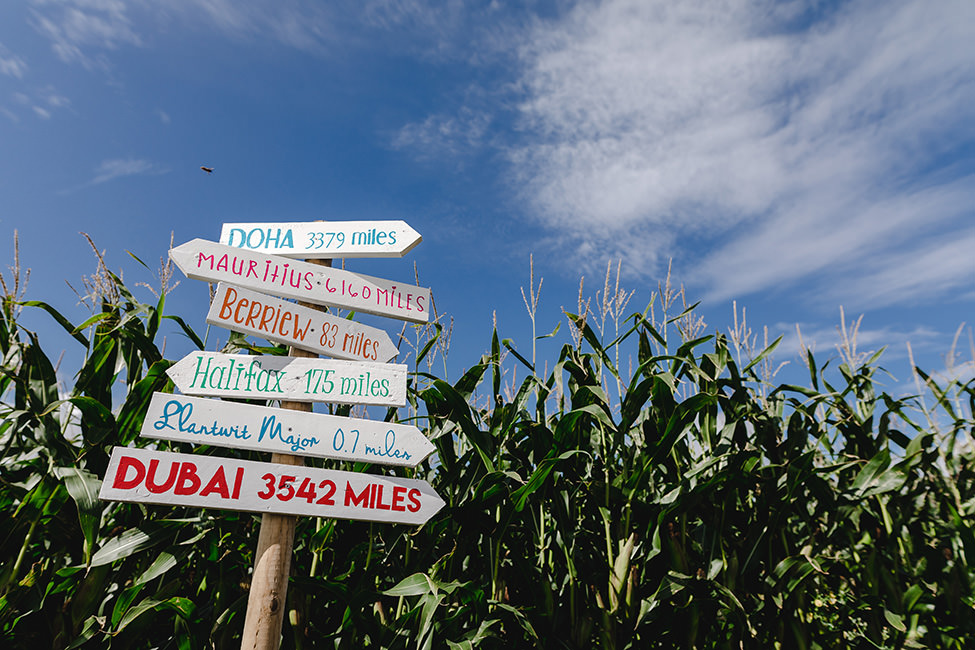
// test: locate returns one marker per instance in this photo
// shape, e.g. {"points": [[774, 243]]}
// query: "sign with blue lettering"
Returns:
{"points": [[151, 476], [322, 285], [260, 428], [324, 239], [214, 374]]}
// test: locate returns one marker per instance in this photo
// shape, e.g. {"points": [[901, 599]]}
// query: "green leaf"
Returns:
{"points": [[538, 478], [197, 341], [509, 344], [430, 604], [129, 542], [163, 563], [61, 320], [98, 421], [761, 355], [896, 621], [93, 320], [133, 411], [430, 343], [83, 488], [414, 585], [133, 613], [874, 478], [92, 625]]}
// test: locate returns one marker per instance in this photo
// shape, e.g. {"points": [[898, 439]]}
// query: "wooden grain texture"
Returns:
{"points": [[266, 602]]}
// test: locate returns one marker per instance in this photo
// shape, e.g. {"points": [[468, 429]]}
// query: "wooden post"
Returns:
{"points": [[266, 603]]}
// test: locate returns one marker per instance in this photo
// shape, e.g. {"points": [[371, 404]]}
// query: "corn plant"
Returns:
{"points": [[687, 501]]}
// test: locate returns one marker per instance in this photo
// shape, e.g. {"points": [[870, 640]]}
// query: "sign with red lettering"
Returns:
{"points": [[285, 322], [214, 374], [324, 239], [150, 476], [204, 421], [322, 285]]}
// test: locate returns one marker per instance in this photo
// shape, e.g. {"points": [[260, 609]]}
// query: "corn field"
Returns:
{"points": [[686, 501]]}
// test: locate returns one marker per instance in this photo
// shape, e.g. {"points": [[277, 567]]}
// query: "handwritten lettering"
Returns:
{"points": [[271, 429], [181, 413], [389, 450], [236, 375], [275, 318]]}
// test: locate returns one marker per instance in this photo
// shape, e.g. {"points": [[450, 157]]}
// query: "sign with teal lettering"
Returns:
{"points": [[285, 322], [321, 285], [214, 374], [323, 239], [285, 431], [151, 476]]}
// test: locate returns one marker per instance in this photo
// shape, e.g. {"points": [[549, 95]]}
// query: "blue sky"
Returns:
{"points": [[787, 157]]}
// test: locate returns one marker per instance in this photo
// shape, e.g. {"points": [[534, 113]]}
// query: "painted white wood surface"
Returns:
{"points": [[214, 374], [323, 239], [150, 476], [322, 285], [280, 321], [203, 421]]}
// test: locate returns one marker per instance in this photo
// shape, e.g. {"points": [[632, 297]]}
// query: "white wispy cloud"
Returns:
{"points": [[11, 64], [788, 145], [824, 342], [81, 30], [437, 30], [846, 242], [431, 29], [444, 134], [945, 356], [308, 26], [116, 168], [54, 99], [42, 102], [943, 266]]}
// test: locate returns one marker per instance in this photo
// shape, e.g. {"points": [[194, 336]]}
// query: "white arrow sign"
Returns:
{"points": [[214, 374], [260, 428], [150, 476], [281, 321], [322, 285], [324, 239]]}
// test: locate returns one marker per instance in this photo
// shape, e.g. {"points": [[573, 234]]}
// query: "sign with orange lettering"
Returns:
{"points": [[150, 476], [285, 322]]}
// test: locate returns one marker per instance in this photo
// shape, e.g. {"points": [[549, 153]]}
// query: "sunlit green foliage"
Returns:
{"points": [[684, 503]]}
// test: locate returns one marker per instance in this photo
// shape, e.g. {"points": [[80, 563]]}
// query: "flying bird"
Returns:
{"points": [[208, 170]]}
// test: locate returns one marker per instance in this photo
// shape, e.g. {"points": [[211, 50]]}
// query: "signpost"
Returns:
{"points": [[285, 431], [285, 488], [213, 374], [150, 476], [324, 239], [302, 327], [204, 260]]}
